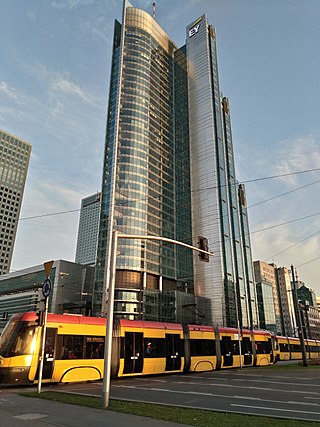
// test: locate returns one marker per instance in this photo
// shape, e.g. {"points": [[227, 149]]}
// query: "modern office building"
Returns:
{"points": [[269, 307], [87, 241], [169, 171], [71, 290], [267, 316], [309, 311], [286, 302], [14, 162]]}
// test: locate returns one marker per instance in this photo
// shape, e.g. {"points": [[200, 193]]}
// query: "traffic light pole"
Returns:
{"points": [[43, 340], [109, 325]]}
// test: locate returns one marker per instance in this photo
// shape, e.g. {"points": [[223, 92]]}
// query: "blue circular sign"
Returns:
{"points": [[46, 288]]}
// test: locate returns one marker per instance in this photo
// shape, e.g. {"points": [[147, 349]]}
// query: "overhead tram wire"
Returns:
{"points": [[49, 214], [207, 188], [308, 262], [291, 246], [285, 223], [283, 194]]}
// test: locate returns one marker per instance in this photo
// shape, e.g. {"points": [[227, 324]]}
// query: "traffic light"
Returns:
{"points": [[40, 318], [39, 301], [203, 245]]}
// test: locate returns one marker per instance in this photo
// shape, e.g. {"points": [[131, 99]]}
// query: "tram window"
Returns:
{"points": [[72, 347], [295, 348], [235, 348], [226, 346], [284, 348], [246, 345], [94, 347], [17, 339], [263, 347], [154, 347], [202, 347]]}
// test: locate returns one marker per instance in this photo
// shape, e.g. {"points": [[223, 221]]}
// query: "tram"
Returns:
{"points": [[74, 348]]}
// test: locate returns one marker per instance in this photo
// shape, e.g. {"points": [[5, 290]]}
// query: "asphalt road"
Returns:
{"points": [[282, 393]]}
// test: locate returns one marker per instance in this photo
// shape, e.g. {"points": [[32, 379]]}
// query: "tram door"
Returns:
{"points": [[246, 351], [133, 353], [48, 357], [226, 351], [173, 352]]}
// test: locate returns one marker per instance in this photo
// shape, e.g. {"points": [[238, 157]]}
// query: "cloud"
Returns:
{"points": [[299, 154], [9, 91], [71, 4], [31, 15], [68, 87], [100, 27]]}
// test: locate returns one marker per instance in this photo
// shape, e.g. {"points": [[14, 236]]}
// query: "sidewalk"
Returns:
{"points": [[21, 411]]}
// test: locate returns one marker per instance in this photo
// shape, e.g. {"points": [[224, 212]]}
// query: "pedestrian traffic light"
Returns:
{"points": [[40, 318], [203, 245]]}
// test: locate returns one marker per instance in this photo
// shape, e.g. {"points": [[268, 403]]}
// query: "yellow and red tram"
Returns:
{"points": [[74, 348], [289, 348]]}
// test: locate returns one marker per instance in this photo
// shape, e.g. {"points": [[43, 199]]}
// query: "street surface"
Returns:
{"points": [[282, 393], [259, 391]]}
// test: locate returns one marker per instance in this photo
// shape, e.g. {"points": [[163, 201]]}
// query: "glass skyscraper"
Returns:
{"points": [[169, 172], [14, 161], [87, 241]]}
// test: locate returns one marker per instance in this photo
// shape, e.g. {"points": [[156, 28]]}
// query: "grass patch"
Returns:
{"points": [[190, 417]]}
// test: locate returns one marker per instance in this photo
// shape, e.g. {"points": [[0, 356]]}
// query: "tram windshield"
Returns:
{"points": [[18, 338]]}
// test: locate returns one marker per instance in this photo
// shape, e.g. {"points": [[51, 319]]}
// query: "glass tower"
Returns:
{"points": [[14, 161], [86, 251], [169, 172]]}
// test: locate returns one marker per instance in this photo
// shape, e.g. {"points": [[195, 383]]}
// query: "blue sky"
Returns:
{"points": [[54, 79]]}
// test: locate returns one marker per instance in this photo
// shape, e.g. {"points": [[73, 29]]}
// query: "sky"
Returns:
{"points": [[54, 78]]}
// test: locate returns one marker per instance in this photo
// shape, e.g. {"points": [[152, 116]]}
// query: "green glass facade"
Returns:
{"points": [[266, 307], [169, 172]]}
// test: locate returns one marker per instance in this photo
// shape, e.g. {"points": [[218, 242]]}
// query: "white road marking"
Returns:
{"points": [[246, 387], [275, 409], [30, 416], [281, 402], [279, 382]]}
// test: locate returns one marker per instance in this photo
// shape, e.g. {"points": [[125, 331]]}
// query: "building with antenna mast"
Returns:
{"points": [[169, 171]]}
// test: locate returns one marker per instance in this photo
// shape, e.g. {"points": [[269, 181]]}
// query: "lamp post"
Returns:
{"points": [[109, 327]]}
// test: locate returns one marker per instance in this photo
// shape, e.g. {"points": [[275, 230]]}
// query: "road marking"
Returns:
{"points": [[279, 382], [275, 409], [302, 403], [284, 402], [30, 416], [246, 387]]}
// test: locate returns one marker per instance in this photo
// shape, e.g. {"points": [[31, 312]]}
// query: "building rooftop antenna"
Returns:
{"points": [[154, 9]]}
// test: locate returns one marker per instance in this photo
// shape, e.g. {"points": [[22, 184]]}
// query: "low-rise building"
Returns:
{"points": [[71, 289]]}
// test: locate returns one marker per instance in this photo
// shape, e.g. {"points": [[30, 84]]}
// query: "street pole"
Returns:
{"points": [[298, 318], [109, 326], [43, 340]]}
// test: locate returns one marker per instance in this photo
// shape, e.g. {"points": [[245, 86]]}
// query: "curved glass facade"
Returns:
{"points": [[139, 170], [169, 172]]}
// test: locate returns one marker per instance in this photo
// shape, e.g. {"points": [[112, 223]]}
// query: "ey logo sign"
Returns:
{"points": [[195, 28]]}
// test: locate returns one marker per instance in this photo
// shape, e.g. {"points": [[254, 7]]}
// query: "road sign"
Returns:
{"points": [[46, 289], [48, 267]]}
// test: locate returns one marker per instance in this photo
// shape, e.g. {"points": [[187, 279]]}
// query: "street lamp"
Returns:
{"points": [[109, 326]]}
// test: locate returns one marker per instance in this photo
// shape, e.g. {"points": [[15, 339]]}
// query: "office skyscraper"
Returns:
{"points": [[14, 162], [87, 241], [169, 171]]}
